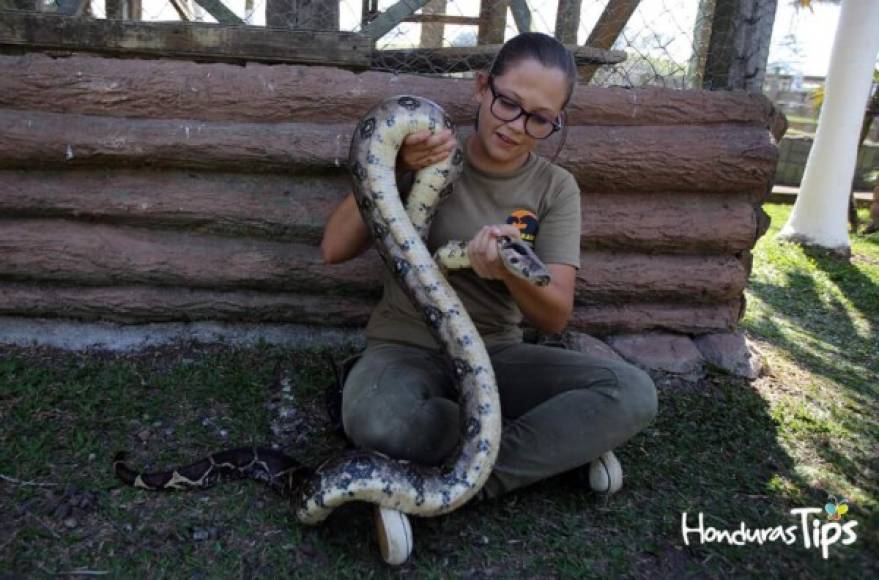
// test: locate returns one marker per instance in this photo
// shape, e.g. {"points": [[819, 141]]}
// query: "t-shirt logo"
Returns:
{"points": [[527, 224]]}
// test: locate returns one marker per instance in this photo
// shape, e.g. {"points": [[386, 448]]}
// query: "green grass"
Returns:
{"points": [[802, 120], [734, 450], [818, 318]]}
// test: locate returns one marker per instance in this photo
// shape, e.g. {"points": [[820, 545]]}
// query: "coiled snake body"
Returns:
{"points": [[400, 234]]}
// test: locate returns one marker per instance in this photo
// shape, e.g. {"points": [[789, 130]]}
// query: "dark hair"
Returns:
{"points": [[541, 47], [547, 51]]}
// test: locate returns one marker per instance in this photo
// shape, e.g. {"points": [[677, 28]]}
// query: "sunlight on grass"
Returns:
{"points": [[817, 319]]}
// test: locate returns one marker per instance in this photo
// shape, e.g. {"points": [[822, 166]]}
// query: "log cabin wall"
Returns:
{"points": [[142, 191]]}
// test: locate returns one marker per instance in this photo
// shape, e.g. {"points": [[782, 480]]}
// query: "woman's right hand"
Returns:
{"points": [[346, 235], [421, 149]]}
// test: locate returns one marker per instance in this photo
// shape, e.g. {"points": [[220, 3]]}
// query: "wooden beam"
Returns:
{"points": [[219, 11], [521, 14], [135, 10], [600, 157], [277, 208], [368, 12], [16, 4], [567, 21], [470, 58], [606, 31], [139, 304], [432, 32], [143, 304], [188, 40], [443, 19], [493, 21], [611, 23], [183, 10], [151, 89], [123, 9], [114, 9], [387, 20], [63, 251]]}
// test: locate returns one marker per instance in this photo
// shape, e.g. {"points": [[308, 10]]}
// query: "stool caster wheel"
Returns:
{"points": [[394, 535]]}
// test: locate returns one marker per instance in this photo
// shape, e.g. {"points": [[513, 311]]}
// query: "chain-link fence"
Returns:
{"points": [[663, 42]]}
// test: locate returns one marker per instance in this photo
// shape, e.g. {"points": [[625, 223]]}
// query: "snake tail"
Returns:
{"points": [[280, 472]]}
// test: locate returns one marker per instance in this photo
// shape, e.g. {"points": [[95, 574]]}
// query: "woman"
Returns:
{"points": [[562, 409]]}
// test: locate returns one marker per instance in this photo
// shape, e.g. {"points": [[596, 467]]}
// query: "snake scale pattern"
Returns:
{"points": [[400, 233]]}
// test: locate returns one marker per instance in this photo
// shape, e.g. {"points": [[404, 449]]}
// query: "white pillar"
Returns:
{"points": [[819, 216]]}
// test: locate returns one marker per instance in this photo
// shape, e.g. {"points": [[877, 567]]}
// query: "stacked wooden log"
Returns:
{"points": [[151, 190]]}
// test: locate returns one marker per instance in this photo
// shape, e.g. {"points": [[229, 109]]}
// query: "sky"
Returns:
{"points": [[801, 39], [813, 32]]}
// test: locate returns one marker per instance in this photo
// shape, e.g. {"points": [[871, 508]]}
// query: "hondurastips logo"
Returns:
{"points": [[814, 531]]}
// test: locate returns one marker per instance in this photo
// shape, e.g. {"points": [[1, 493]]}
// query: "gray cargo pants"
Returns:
{"points": [[561, 408]]}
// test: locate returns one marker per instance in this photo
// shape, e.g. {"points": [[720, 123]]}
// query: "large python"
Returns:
{"points": [[400, 233]]}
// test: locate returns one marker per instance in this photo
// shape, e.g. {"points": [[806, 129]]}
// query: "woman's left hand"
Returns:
{"points": [[483, 254]]}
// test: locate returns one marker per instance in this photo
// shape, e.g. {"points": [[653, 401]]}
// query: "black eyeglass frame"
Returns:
{"points": [[556, 124]]}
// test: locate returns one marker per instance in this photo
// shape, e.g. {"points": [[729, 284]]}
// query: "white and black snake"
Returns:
{"points": [[400, 233]]}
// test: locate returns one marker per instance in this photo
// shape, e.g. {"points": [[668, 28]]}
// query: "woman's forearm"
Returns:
{"points": [[346, 236], [548, 308]]}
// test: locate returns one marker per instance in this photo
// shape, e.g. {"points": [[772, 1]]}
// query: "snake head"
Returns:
{"points": [[521, 260]]}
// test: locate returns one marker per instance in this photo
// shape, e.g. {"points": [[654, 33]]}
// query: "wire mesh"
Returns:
{"points": [[664, 40]]}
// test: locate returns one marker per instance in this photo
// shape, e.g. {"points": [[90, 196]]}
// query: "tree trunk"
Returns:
{"points": [[873, 226], [739, 44], [701, 42], [819, 214], [493, 14], [869, 115]]}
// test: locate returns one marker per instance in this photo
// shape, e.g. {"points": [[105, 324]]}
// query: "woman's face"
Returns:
{"points": [[502, 146]]}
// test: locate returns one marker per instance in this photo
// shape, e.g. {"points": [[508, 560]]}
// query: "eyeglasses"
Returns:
{"points": [[505, 109]]}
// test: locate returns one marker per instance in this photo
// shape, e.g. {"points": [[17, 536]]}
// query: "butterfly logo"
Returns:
{"points": [[835, 508]]}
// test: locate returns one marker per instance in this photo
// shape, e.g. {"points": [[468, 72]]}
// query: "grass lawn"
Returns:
{"points": [[802, 120], [733, 450]]}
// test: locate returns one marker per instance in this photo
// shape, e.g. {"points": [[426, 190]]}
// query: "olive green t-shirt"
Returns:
{"points": [[542, 199]]}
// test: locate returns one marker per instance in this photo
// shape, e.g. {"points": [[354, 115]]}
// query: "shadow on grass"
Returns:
{"points": [[819, 332], [833, 347]]}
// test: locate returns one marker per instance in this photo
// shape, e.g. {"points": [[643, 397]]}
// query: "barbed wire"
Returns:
{"points": [[663, 40]]}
